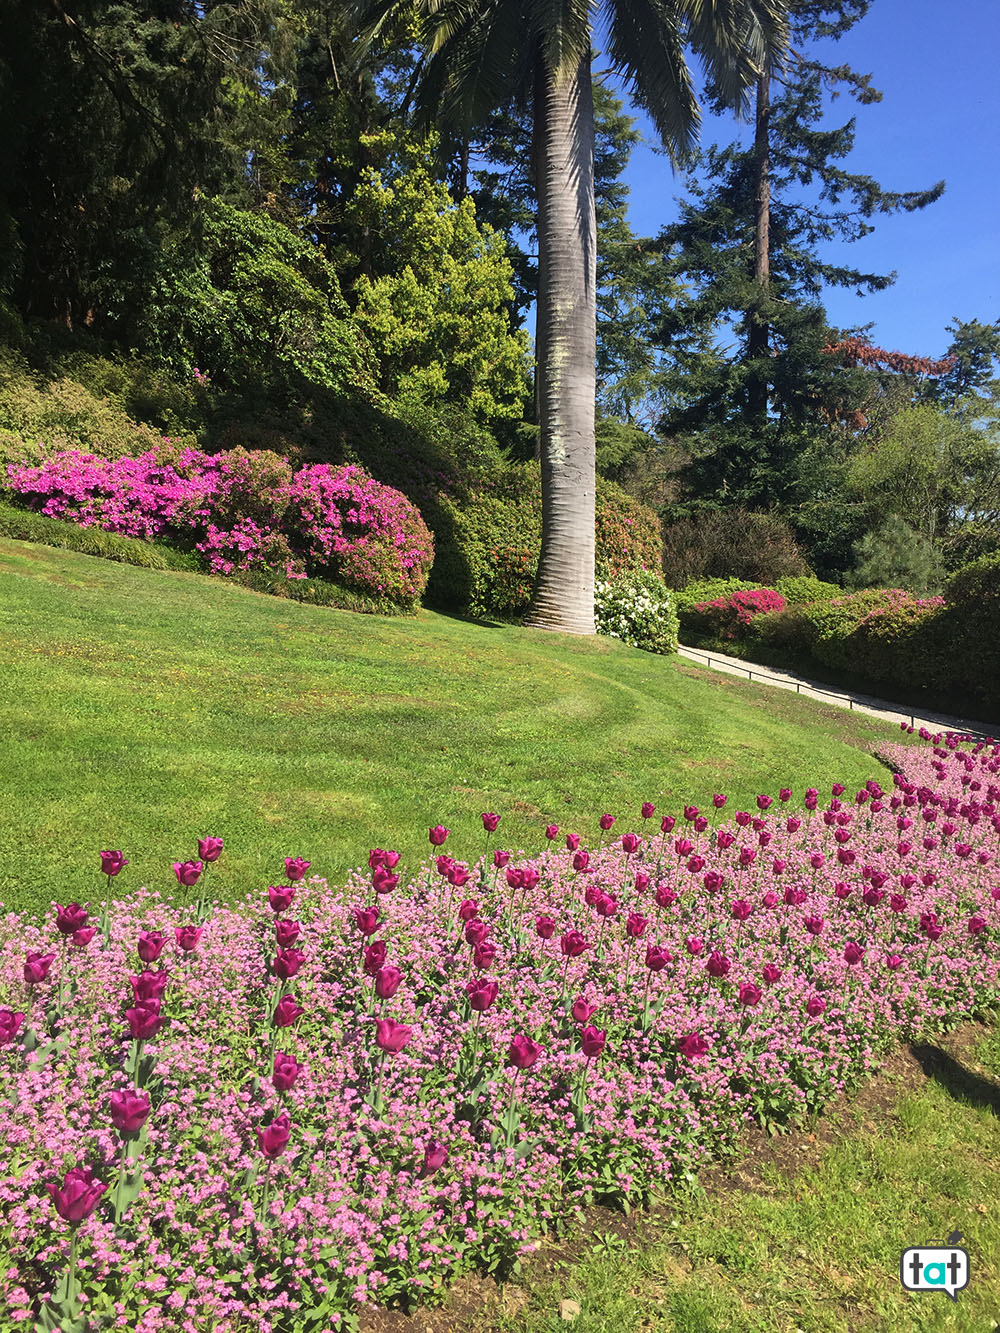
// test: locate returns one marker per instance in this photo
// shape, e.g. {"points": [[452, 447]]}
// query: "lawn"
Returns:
{"points": [[141, 709]]}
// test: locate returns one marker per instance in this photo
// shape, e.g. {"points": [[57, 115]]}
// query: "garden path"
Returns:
{"points": [[852, 699]]}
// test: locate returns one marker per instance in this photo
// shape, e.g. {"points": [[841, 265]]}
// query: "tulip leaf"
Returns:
{"points": [[249, 1177], [29, 1041]]}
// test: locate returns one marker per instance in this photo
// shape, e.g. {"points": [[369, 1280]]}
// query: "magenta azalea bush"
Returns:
{"points": [[729, 617], [244, 510], [262, 1116]]}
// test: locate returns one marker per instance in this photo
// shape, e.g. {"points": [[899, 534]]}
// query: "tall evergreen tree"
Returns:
{"points": [[750, 244]]}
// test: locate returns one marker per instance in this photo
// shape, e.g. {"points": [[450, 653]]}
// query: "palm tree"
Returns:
{"points": [[482, 53]]}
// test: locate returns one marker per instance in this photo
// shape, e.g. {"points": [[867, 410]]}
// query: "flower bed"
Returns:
{"points": [[324, 1096]]}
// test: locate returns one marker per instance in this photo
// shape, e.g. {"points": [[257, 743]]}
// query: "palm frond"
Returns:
{"points": [[646, 45], [564, 29], [736, 40], [478, 66]]}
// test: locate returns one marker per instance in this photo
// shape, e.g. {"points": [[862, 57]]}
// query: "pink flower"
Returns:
{"points": [[295, 869], [187, 872], [112, 863], [391, 1037], [210, 849], [79, 1195]]}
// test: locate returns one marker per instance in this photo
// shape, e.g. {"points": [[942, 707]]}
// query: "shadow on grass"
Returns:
{"points": [[959, 1082]]}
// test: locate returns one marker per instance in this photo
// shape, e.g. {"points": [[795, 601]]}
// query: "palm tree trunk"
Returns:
{"points": [[567, 338]]}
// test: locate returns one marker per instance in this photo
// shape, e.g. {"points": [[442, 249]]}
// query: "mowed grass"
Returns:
{"points": [[817, 1250], [140, 709]]}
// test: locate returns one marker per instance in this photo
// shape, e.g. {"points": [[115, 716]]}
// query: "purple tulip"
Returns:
{"points": [[79, 1196], [287, 963], [490, 821], [112, 863], [151, 945], [695, 945], [286, 933], [693, 1046], [273, 1139], [366, 920], [280, 897], [437, 835], [606, 821], [391, 1037], [387, 981], [853, 953], [635, 926], [771, 973], [814, 925], [750, 995], [630, 843], [572, 842], [476, 931], [129, 1110], [500, 859], [187, 937], [149, 985], [210, 849], [435, 1156], [815, 1006], [523, 1052], [648, 810], [740, 909], [81, 938], [145, 1020], [484, 955], [582, 1011], [295, 868], [287, 1011], [10, 1024], [482, 994], [71, 919], [36, 966], [551, 832], [718, 964], [187, 872], [893, 961], [467, 910], [545, 927], [573, 944], [383, 881], [657, 958], [286, 1071], [592, 1042]]}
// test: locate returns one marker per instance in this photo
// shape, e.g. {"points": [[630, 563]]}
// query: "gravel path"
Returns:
{"points": [[852, 699]]}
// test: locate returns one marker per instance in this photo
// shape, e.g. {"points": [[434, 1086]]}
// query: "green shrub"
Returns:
{"points": [[898, 643], [726, 543], [970, 628], [802, 589], [896, 556], [831, 623], [489, 566], [637, 608], [25, 526]]}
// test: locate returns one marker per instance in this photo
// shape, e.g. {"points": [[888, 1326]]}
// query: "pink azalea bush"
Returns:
{"points": [[356, 1092], [243, 510], [730, 617]]}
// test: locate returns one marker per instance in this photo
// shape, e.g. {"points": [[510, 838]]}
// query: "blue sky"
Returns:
{"points": [[936, 64]]}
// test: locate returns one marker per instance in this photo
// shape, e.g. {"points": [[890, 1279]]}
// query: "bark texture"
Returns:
{"points": [[567, 334]]}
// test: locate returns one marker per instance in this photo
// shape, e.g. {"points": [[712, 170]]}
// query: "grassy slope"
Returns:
{"points": [[815, 1251], [140, 709]]}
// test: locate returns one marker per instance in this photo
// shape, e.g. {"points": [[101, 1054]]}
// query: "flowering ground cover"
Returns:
{"points": [[264, 1115], [139, 707]]}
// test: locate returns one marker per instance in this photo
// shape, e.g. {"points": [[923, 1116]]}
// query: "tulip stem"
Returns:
{"points": [[121, 1177], [71, 1284], [267, 1190]]}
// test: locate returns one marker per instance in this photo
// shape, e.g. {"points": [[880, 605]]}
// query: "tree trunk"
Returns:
{"points": [[567, 336], [757, 341]]}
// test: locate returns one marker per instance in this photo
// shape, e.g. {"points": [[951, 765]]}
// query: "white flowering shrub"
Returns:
{"points": [[637, 608]]}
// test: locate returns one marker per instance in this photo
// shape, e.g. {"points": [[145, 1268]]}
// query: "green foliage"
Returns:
{"points": [[39, 413], [247, 301], [437, 321], [896, 556], [318, 592], [801, 589], [25, 526], [732, 542], [707, 590], [971, 628], [497, 536], [637, 608]]}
